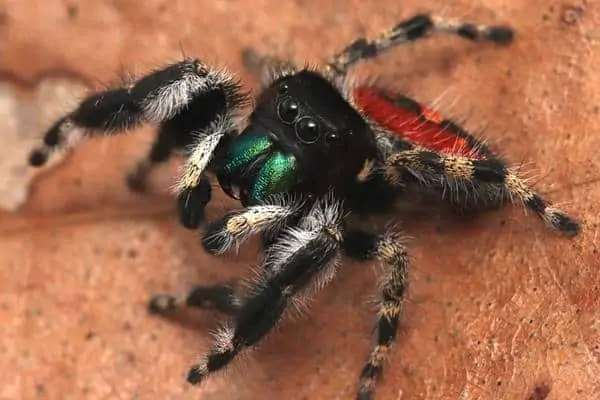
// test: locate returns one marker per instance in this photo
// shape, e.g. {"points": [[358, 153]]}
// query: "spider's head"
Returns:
{"points": [[302, 136]]}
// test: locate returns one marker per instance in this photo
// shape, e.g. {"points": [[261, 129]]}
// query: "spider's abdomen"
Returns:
{"points": [[416, 123]]}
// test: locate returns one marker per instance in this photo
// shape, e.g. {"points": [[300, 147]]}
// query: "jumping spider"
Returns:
{"points": [[314, 149]]}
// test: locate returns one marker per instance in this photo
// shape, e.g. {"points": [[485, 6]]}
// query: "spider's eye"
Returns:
{"points": [[288, 110], [284, 88], [338, 137], [333, 137], [307, 130]]}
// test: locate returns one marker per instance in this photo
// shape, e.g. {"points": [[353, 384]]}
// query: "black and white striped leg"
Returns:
{"points": [[305, 255], [417, 27], [238, 225], [221, 297], [155, 98], [434, 168], [190, 101], [389, 249], [179, 133]]}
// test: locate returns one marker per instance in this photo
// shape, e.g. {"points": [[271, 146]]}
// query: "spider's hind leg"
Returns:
{"points": [[433, 168], [467, 199], [389, 249], [415, 28]]}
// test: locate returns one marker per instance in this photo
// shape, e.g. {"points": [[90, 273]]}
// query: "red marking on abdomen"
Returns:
{"points": [[425, 129]]}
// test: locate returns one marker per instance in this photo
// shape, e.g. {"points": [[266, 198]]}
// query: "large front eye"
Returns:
{"points": [[288, 110], [307, 130]]}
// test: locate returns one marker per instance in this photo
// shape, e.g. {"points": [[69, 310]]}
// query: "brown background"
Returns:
{"points": [[499, 307]]}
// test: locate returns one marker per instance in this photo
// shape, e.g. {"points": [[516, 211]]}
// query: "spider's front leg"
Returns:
{"points": [[185, 99], [271, 216], [431, 167], [389, 249], [303, 255]]}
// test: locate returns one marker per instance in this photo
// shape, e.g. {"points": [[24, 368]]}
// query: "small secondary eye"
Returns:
{"points": [[284, 89], [288, 110], [337, 137], [333, 137], [307, 130]]}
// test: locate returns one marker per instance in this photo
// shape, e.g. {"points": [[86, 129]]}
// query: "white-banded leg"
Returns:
{"points": [[194, 105], [304, 255], [273, 214], [155, 98], [221, 235]]}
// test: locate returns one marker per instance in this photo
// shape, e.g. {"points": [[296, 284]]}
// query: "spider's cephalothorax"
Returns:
{"points": [[303, 138], [313, 150]]}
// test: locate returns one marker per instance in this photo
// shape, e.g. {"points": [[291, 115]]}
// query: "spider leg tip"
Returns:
{"points": [[501, 34], [568, 226], [161, 303], [364, 394], [196, 374], [191, 203], [135, 182], [37, 158], [563, 223]]}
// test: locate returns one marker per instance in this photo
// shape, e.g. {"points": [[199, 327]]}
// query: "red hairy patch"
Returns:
{"points": [[413, 122]]}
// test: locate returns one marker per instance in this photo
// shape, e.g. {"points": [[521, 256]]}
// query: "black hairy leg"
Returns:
{"points": [[160, 152], [163, 147], [155, 98], [304, 257], [188, 100], [414, 28], [221, 235], [389, 249], [179, 133], [373, 195], [452, 171], [229, 231], [221, 297], [383, 186]]}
